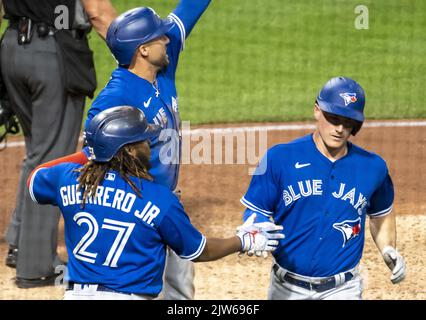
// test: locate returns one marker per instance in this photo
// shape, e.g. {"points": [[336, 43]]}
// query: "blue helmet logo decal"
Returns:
{"points": [[349, 97]]}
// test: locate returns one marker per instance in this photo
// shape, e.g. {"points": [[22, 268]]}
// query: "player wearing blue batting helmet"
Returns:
{"points": [[128, 232], [147, 49], [132, 29], [115, 127], [332, 186], [343, 97]]}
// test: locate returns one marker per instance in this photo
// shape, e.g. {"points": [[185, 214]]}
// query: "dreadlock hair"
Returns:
{"points": [[93, 173]]}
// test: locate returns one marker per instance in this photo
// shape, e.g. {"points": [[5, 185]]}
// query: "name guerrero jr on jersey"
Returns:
{"points": [[112, 198]]}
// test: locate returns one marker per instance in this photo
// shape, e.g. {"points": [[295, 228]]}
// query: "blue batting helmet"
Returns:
{"points": [[132, 29], [343, 97], [113, 128]]}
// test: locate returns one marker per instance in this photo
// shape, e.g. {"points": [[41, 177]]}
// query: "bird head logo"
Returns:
{"points": [[348, 97], [349, 229]]}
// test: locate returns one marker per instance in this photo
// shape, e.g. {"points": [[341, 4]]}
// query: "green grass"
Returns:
{"points": [[265, 61], [257, 60]]}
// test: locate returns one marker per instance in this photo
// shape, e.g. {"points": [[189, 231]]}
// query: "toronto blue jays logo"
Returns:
{"points": [[348, 97], [349, 229]]}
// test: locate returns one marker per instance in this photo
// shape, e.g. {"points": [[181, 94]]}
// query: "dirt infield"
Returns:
{"points": [[211, 196]]}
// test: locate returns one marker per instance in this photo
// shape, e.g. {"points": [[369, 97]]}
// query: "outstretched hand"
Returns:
{"points": [[259, 238]]}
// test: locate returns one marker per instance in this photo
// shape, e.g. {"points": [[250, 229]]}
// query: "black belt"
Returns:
{"points": [[70, 286], [320, 285], [42, 28]]}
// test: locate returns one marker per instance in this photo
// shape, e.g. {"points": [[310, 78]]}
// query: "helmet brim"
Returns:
{"points": [[152, 131], [167, 24], [340, 111]]}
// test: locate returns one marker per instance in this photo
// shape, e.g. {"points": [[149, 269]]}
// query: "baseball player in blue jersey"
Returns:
{"points": [[321, 188], [147, 50], [118, 220]]}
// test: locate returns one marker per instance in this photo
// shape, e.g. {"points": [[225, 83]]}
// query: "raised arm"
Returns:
{"points": [[187, 13], [101, 13]]}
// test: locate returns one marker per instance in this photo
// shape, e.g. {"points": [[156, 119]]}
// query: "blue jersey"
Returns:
{"points": [[321, 204], [118, 239], [160, 104]]}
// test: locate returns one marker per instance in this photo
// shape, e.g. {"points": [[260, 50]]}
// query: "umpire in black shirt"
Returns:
{"points": [[48, 71]]}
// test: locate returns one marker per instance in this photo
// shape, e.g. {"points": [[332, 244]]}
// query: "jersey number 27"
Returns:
{"points": [[123, 229]]}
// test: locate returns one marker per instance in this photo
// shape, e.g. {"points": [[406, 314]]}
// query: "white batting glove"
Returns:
{"points": [[395, 262], [258, 237], [251, 252], [265, 226]]}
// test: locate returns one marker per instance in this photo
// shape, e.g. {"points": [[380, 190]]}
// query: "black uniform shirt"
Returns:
{"points": [[39, 10]]}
